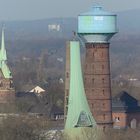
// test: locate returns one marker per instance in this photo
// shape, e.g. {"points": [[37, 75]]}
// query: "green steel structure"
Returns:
{"points": [[3, 59], [78, 114]]}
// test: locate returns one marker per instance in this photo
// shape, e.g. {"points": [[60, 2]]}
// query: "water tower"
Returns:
{"points": [[96, 28]]}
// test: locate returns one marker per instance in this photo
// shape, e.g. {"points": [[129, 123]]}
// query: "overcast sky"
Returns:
{"points": [[38, 9]]}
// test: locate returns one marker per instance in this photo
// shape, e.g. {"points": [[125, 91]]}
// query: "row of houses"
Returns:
{"points": [[125, 110]]}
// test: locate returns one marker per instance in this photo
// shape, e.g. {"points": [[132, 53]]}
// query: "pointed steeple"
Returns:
{"points": [[3, 54], [3, 58]]}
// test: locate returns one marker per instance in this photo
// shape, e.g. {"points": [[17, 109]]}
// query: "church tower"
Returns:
{"points": [[7, 92]]}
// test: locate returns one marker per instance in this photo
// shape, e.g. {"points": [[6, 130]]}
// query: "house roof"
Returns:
{"points": [[37, 89], [124, 102], [56, 110], [25, 94], [126, 98], [35, 105], [40, 108]]}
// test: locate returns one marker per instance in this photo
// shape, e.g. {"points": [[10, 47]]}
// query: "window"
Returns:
{"points": [[104, 128], [85, 79], [92, 80], [0, 83], [93, 54], [103, 80], [103, 92], [102, 54], [67, 100], [104, 116], [117, 119], [67, 75], [92, 105], [11, 84], [67, 92], [102, 67]]}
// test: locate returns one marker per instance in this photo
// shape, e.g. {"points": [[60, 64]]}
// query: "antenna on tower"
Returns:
{"points": [[74, 36]]}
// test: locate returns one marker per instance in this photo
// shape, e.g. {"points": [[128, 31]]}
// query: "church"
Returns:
{"points": [[7, 91]]}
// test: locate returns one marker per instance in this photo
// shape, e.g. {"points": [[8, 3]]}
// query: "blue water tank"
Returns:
{"points": [[97, 22]]}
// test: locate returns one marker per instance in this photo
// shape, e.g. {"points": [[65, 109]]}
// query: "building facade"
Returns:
{"points": [[125, 111], [97, 82]]}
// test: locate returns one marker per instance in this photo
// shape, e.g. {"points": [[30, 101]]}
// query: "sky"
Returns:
{"points": [[39, 9]]}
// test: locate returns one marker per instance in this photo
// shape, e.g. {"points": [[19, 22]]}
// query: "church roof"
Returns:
{"points": [[3, 55], [6, 71], [3, 59]]}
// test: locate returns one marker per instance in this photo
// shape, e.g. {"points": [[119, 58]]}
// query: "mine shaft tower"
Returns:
{"points": [[78, 111], [96, 28]]}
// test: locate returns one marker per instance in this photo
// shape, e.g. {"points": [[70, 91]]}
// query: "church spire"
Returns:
{"points": [[3, 55], [3, 58]]}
